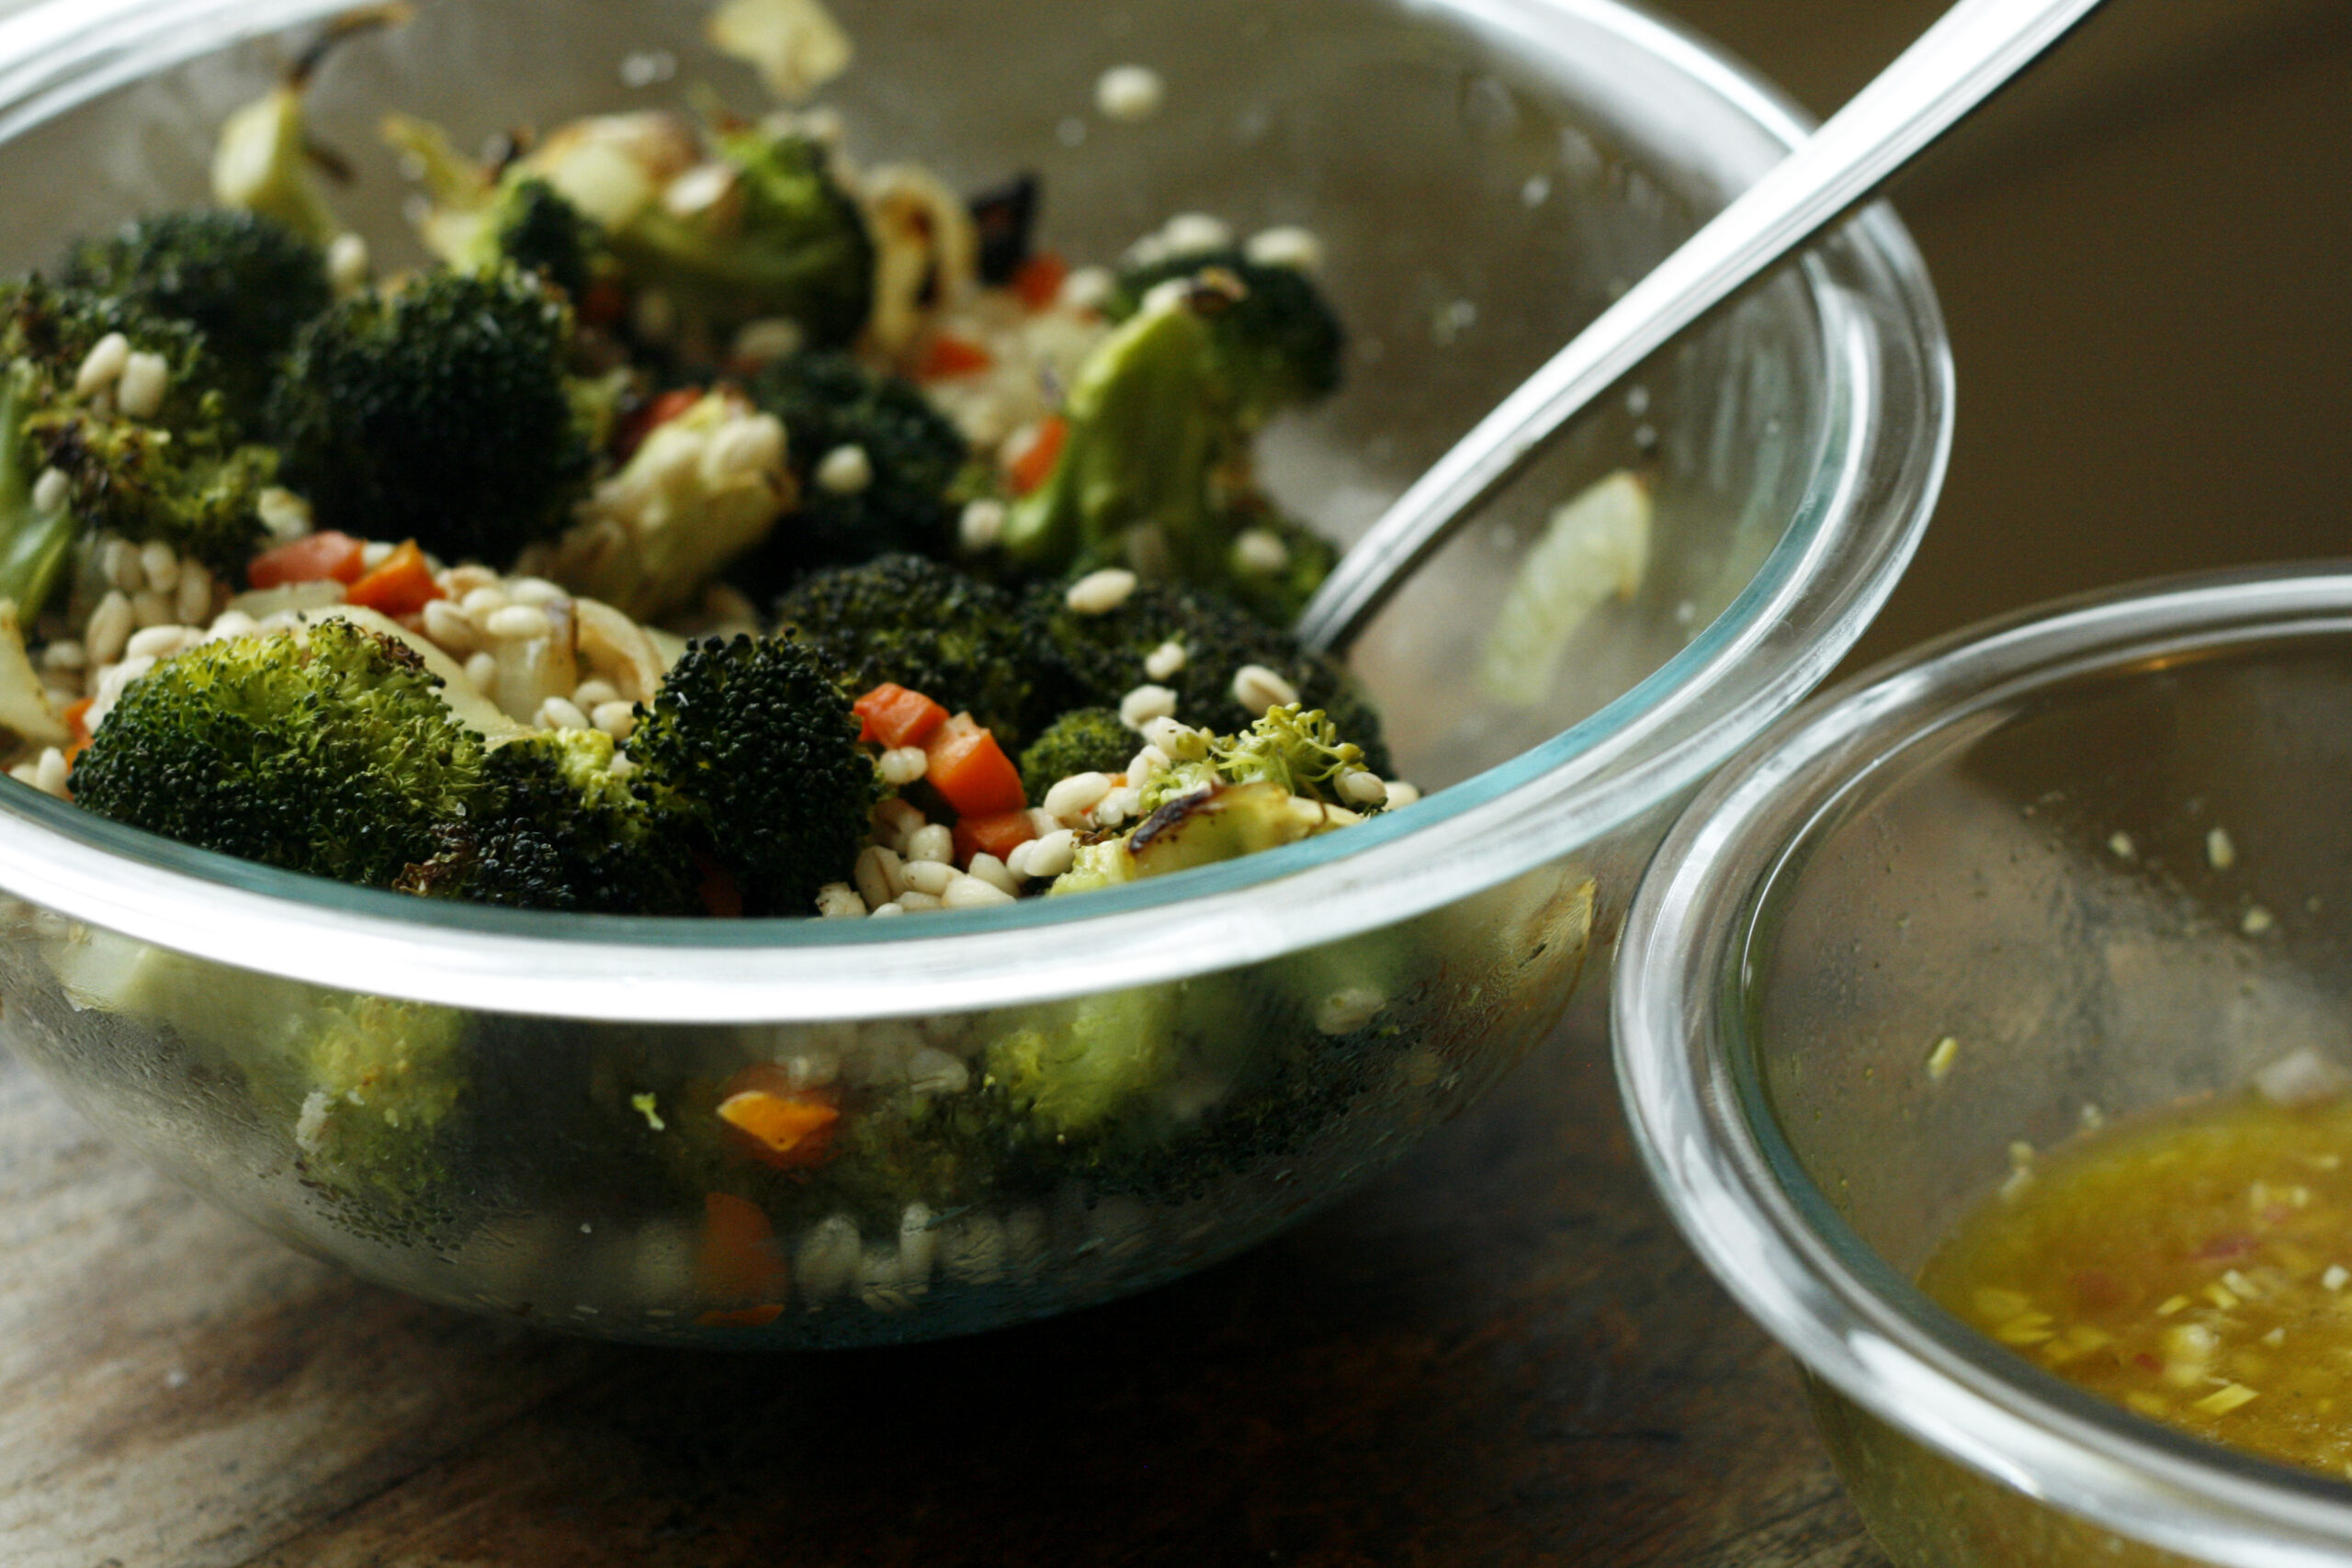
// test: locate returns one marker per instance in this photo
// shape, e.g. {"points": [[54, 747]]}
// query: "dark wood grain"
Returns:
{"points": [[1499, 1354]]}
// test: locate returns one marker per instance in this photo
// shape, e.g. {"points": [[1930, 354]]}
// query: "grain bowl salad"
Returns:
{"points": [[718, 527]]}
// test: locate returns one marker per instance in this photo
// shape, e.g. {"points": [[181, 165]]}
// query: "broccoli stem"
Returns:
{"points": [[34, 539]]}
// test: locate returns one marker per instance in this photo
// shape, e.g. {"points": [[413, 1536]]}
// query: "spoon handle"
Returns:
{"points": [[1969, 53]]}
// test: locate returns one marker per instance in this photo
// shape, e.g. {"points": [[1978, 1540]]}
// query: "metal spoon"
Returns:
{"points": [[1972, 51]]}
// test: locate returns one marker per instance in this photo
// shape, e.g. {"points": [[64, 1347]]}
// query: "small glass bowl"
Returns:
{"points": [[1482, 176], [2007, 840]]}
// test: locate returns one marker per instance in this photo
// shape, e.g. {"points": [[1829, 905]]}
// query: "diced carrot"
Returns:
{"points": [[1030, 466], [77, 727], [670, 405], [400, 586], [774, 1123], [739, 1260], [949, 356], [314, 557], [897, 716], [996, 835], [1038, 280], [970, 770]]}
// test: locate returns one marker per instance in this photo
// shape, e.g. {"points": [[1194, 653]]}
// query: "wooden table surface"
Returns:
{"points": [[1501, 1353]]}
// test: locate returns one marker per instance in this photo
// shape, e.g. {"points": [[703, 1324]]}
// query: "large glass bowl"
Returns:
{"points": [[2003, 841], [1484, 175]]}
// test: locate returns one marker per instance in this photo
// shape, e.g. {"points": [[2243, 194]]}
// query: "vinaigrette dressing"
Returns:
{"points": [[2195, 1266]]}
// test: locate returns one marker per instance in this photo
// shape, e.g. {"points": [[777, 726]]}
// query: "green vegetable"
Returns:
{"points": [[1220, 822], [479, 219], [175, 476], [329, 753], [828, 402], [556, 828], [1299, 751], [1278, 343], [755, 740], [440, 412], [1083, 741], [246, 282], [1102, 659], [1155, 473], [962, 642], [780, 238]]}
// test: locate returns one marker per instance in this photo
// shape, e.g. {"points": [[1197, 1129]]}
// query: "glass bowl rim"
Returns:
{"points": [[1824, 580], [1736, 1189]]}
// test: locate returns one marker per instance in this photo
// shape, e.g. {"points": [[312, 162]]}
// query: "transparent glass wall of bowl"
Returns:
{"points": [[579, 1173], [2112, 885], [2042, 885]]}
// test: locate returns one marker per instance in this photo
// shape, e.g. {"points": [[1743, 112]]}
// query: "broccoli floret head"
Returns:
{"points": [[964, 643], [779, 237], [1104, 658], [754, 739], [1155, 470], [829, 401], [246, 282], [559, 829], [73, 461], [1277, 341], [328, 752], [1083, 741], [532, 226], [440, 412]]}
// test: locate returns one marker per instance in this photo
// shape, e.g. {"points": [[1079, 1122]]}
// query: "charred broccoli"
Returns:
{"points": [[479, 218], [755, 742], [106, 423], [1083, 741], [768, 231], [440, 412], [246, 282], [328, 752], [1104, 658], [1155, 472], [557, 829], [960, 641], [899, 502], [1300, 751], [1276, 340]]}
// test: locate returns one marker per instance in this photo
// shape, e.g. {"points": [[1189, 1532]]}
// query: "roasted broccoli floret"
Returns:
{"points": [[557, 829], [127, 439], [1104, 657], [766, 230], [755, 742], [699, 490], [1155, 472], [374, 1081], [1277, 341], [895, 499], [961, 642], [1083, 741], [480, 217], [441, 411], [1298, 749], [328, 752], [246, 282]]}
